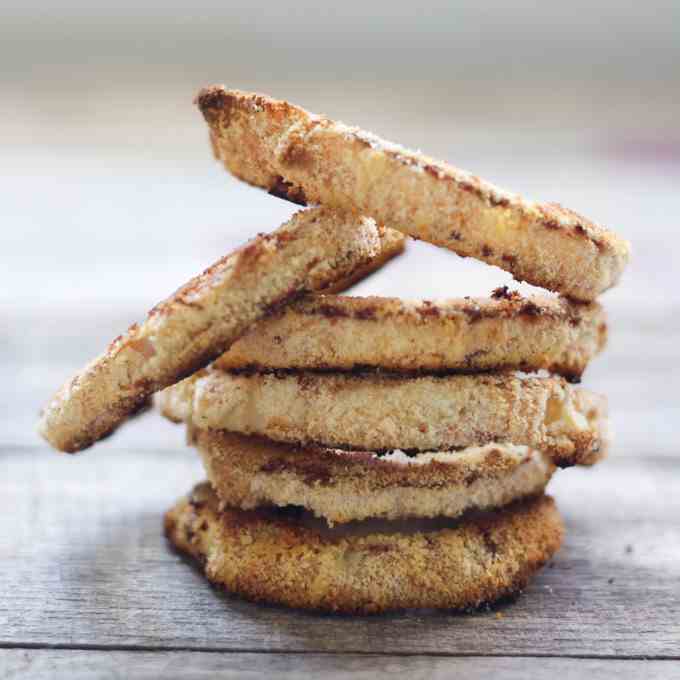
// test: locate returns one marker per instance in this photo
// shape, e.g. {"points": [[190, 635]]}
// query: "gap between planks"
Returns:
{"points": [[142, 649]]}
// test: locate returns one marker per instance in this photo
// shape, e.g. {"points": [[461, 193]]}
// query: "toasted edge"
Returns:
{"points": [[381, 412], [197, 323], [392, 244], [505, 331], [265, 557], [309, 158], [342, 486]]}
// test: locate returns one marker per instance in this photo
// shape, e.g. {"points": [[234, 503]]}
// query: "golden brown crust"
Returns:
{"points": [[308, 158], [196, 324], [392, 244], [342, 486], [327, 332], [266, 557], [377, 412]]}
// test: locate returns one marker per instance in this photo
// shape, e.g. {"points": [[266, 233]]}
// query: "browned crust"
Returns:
{"points": [[328, 466], [392, 244], [379, 412], [271, 143], [266, 558], [199, 322], [506, 331], [250, 472]]}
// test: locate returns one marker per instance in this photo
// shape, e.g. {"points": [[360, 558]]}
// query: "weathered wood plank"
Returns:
{"points": [[76, 665], [84, 563]]}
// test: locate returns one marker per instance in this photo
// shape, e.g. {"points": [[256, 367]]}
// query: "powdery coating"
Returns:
{"points": [[199, 322], [378, 412], [268, 558], [342, 333], [284, 149], [341, 486]]}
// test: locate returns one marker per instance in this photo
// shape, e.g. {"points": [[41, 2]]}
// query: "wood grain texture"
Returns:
{"points": [[84, 563], [80, 664]]}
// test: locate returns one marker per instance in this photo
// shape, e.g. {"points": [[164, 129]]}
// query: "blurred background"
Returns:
{"points": [[110, 199]]}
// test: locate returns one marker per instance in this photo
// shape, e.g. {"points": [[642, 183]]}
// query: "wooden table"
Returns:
{"points": [[89, 587]]}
